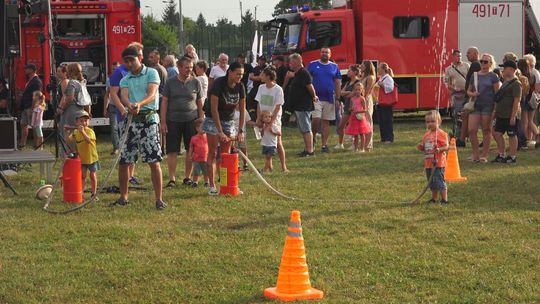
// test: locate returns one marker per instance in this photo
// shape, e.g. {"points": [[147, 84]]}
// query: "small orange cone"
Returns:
{"points": [[452, 172], [293, 278]]}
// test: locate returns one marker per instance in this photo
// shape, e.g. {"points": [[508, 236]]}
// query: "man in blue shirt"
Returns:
{"points": [[139, 94], [327, 82]]}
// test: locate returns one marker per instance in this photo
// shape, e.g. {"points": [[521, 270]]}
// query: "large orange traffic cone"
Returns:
{"points": [[452, 172], [293, 278]]}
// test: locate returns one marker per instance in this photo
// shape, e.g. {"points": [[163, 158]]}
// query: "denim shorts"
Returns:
{"points": [[228, 127], [483, 109], [437, 183], [303, 119], [269, 150], [200, 168], [93, 167]]}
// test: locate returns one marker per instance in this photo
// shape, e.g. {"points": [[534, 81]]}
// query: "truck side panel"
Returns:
{"points": [[413, 60]]}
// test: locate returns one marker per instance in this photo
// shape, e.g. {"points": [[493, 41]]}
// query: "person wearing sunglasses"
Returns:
{"points": [[484, 91]]}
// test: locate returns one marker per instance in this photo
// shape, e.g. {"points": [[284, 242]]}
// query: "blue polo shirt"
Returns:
{"points": [[137, 86], [324, 75]]}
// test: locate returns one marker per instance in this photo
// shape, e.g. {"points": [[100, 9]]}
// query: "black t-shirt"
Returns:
{"points": [[228, 98], [256, 72], [475, 67], [280, 75], [248, 68], [299, 97], [33, 85]]}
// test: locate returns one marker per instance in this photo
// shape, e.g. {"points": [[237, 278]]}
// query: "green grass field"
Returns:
{"points": [[482, 248]]}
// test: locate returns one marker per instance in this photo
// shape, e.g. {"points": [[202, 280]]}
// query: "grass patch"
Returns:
{"points": [[482, 248]]}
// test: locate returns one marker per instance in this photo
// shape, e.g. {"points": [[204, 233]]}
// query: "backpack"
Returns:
{"points": [[83, 98]]}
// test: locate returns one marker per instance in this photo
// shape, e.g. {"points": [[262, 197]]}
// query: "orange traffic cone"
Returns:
{"points": [[452, 172], [293, 278]]}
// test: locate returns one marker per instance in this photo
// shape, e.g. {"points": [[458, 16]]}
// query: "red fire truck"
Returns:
{"points": [[414, 37], [92, 33]]}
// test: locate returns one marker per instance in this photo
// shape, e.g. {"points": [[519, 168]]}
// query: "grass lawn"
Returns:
{"points": [[482, 248]]}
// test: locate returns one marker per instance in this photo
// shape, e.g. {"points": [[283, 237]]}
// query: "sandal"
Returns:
{"points": [[483, 160], [171, 184], [119, 202], [187, 181]]}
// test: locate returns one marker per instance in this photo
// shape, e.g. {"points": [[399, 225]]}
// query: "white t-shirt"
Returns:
{"points": [[536, 75], [204, 85], [217, 72], [269, 98], [236, 118], [269, 139]]}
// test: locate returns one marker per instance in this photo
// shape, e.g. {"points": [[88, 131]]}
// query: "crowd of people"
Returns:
{"points": [[183, 104], [497, 100]]}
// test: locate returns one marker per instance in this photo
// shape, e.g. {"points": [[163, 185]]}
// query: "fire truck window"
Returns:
{"points": [[406, 85], [411, 27], [327, 33]]}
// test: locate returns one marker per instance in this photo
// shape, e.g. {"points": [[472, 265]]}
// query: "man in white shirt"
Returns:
{"points": [[455, 78], [219, 70]]}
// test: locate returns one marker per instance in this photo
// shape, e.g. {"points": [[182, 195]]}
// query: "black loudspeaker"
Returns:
{"points": [[8, 140]]}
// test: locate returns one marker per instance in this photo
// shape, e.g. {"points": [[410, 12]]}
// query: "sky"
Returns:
{"points": [[214, 9]]}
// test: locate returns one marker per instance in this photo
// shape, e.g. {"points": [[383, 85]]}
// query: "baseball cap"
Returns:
{"points": [[82, 113], [30, 66], [130, 52], [509, 64]]}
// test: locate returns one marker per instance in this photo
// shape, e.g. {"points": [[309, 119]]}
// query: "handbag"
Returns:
{"points": [[469, 106], [534, 101], [388, 99], [359, 116]]}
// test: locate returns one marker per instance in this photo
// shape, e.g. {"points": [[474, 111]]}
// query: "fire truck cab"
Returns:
{"points": [[92, 33], [415, 38]]}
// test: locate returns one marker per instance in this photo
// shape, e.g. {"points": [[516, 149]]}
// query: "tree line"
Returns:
{"points": [[210, 39]]}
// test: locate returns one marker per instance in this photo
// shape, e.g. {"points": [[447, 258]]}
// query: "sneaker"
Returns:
{"points": [[460, 143], [213, 191], [245, 168], [160, 205], [134, 180], [94, 197], [194, 184], [339, 147], [119, 202], [531, 143], [509, 160], [499, 159], [432, 201], [114, 152], [307, 154], [445, 202], [187, 181], [325, 149]]}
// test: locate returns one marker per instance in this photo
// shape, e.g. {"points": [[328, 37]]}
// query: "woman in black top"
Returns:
{"points": [[226, 95]]}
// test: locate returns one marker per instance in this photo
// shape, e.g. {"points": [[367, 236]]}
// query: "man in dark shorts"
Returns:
{"points": [[33, 84], [302, 96], [507, 102], [139, 94], [182, 106]]}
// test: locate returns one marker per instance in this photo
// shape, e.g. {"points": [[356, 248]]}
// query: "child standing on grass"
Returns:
{"points": [[358, 125], [85, 139], [38, 108], [270, 98], [198, 147], [434, 145], [269, 140]]}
